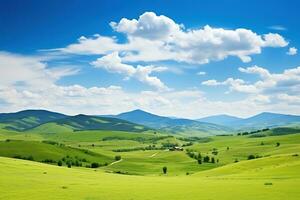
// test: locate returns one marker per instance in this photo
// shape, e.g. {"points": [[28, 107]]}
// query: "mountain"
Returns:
{"points": [[86, 122], [145, 118], [224, 120], [267, 119], [173, 125], [27, 119]]}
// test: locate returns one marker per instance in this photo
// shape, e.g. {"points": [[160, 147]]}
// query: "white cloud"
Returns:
{"points": [[113, 63], [280, 89], [292, 51], [27, 70], [201, 73], [264, 73], [159, 38], [274, 40], [278, 28], [149, 26]]}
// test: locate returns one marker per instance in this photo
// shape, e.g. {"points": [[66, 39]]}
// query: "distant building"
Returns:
{"points": [[175, 148]]}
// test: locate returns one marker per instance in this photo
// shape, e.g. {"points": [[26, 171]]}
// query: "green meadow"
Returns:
{"points": [[239, 167]]}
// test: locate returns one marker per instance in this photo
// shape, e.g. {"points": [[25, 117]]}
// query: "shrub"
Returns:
{"points": [[95, 165], [277, 144], [165, 169], [250, 157], [199, 161], [59, 163], [69, 165], [118, 157]]}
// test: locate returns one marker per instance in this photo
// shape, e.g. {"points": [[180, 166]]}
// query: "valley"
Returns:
{"points": [[57, 157]]}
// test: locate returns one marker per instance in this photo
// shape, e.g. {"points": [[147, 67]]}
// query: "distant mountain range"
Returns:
{"points": [[262, 120], [173, 125], [139, 121], [220, 119]]}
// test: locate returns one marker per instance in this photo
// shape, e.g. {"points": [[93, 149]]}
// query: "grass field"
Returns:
{"points": [[273, 174], [30, 180]]}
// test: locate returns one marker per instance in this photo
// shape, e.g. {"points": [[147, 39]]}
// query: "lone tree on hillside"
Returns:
{"points": [[117, 158], [165, 169], [250, 157]]}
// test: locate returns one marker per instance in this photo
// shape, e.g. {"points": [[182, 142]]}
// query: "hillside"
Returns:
{"points": [[37, 180], [50, 152], [27, 119], [85, 122]]}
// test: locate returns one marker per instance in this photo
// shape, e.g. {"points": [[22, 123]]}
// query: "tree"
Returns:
{"points": [[212, 160], [117, 157], [277, 144], [199, 161], [227, 148], [206, 159], [59, 163], [95, 165], [165, 169], [250, 157], [262, 143], [69, 165]]}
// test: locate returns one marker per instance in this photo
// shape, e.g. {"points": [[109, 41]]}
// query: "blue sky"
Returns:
{"points": [[180, 58]]}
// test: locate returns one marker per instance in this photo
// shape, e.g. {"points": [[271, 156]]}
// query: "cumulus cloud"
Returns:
{"points": [[283, 88], [149, 26], [113, 63], [292, 51], [154, 37]]}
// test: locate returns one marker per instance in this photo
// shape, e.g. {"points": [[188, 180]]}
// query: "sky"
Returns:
{"points": [[175, 58]]}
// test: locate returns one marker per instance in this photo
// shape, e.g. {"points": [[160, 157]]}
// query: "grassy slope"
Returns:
{"points": [[41, 151], [29, 180]]}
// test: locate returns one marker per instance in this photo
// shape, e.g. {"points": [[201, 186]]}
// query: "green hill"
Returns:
{"points": [[27, 119], [50, 152], [85, 122]]}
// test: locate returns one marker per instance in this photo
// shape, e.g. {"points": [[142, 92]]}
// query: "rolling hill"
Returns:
{"points": [[27, 119], [86, 122]]}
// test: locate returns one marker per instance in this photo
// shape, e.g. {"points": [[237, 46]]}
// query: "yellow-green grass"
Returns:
{"points": [[40, 151], [240, 147], [21, 179]]}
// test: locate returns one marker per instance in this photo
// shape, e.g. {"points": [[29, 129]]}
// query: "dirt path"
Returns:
{"points": [[115, 162], [153, 155]]}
